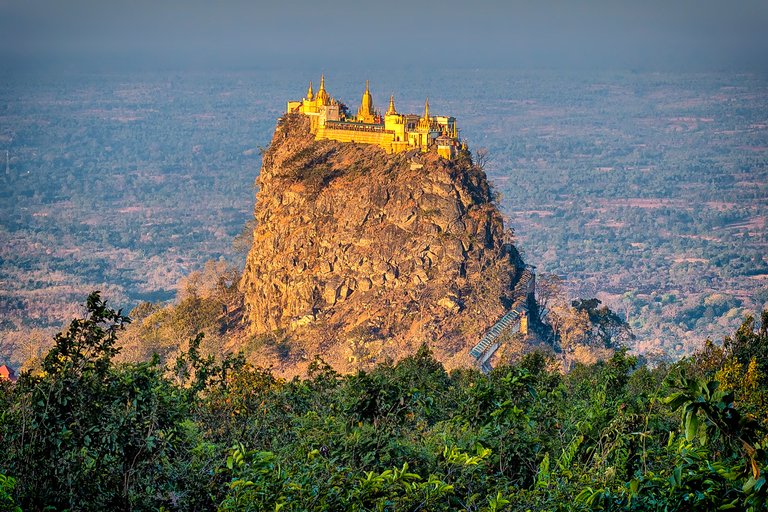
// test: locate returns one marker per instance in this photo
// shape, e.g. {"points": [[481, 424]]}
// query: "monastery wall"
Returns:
{"points": [[382, 139]]}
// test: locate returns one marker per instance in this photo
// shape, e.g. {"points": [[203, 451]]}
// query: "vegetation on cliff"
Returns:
{"points": [[86, 433], [359, 255], [646, 190]]}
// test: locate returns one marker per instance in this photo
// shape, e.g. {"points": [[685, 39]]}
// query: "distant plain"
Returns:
{"points": [[647, 190]]}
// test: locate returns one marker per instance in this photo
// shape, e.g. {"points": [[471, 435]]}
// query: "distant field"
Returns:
{"points": [[649, 191], [652, 196]]}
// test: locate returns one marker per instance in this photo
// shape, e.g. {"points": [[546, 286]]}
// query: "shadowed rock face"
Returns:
{"points": [[353, 244]]}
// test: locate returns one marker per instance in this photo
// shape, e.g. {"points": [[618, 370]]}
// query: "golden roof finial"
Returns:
{"points": [[391, 110], [426, 109], [310, 92], [366, 105], [322, 97]]}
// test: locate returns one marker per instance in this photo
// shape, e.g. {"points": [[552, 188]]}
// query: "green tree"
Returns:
{"points": [[84, 435]]}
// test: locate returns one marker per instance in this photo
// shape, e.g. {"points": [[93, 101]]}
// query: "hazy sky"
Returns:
{"points": [[540, 33]]}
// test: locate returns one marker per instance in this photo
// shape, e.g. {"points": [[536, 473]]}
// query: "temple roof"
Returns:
{"points": [[391, 110], [366, 105], [322, 96]]}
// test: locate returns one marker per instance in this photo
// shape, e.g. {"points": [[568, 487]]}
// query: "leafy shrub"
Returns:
{"points": [[207, 434]]}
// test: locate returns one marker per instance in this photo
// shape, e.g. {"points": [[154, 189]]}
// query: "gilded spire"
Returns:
{"points": [[322, 96], [425, 123], [365, 113], [310, 92], [367, 103], [391, 110]]}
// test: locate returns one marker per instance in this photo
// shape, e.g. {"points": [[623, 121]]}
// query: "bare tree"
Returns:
{"points": [[482, 157], [549, 292]]}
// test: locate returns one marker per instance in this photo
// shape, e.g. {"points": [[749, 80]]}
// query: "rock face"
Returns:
{"points": [[358, 254]]}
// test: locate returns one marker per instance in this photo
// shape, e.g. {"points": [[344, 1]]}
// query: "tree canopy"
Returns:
{"points": [[87, 433]]}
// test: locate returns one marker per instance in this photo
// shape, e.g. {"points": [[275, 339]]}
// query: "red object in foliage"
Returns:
{"points": [[7, 373]]}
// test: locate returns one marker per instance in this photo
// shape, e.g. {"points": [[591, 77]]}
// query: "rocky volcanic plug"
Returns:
{"points": [[359, 255]]}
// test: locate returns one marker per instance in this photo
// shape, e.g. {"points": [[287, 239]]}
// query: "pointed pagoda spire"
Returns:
{"points": [[391, 110], [425, 123], [310, 92], [365, 113], [322, 96], [367, 102]]}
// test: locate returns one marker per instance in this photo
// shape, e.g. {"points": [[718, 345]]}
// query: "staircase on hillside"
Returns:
{"points": [[510, 319], [514, 321]]}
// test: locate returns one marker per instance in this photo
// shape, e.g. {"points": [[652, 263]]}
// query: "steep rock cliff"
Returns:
{"points": [[359, 255]]}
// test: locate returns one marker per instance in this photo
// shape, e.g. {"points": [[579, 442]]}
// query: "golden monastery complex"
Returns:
{"points": [[393, 132]]}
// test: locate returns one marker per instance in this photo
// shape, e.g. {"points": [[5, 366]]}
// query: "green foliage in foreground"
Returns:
{"points": [[88, 434]]}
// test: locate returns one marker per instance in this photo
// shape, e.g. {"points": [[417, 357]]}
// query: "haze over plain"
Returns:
{"points": [[118, 113], [682, 34]]}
